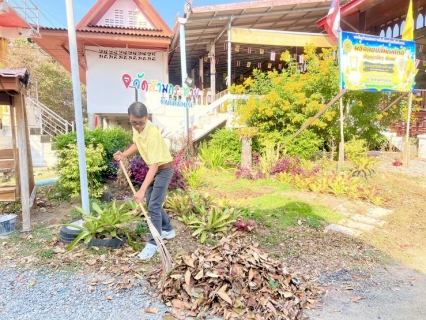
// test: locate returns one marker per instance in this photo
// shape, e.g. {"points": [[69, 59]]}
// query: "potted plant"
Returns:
{"points": [[106, 226]]}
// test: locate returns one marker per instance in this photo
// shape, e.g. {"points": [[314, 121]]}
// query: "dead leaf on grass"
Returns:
{"points": [[109, 298], [356, 299]]}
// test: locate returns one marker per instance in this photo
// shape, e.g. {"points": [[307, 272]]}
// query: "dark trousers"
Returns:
{"points": [[155, 195]]}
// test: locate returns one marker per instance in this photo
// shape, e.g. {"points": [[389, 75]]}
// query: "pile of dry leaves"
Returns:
{"points": [[235, 280]]}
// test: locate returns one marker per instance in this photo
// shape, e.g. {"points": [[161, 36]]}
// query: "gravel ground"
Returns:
{"points": [[37, 295], [416, 167], [393, 293]]}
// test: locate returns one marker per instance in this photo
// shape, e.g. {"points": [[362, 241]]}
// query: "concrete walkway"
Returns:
{"points": [[360, 220]]}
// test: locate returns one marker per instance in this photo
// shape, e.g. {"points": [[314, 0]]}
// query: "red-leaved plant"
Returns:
{"points": [[244, 225]]}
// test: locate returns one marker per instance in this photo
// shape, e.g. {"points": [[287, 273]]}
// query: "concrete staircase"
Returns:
{"points": [[42, 153], [205, 121]]}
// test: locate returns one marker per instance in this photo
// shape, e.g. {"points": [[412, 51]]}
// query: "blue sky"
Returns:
{"points": [[53, 13]]}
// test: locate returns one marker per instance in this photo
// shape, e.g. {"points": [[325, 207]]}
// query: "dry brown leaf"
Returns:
{"points": [[349, 288], [178, 313], [199, 275], [151, 310], [32, 282], [91, 289], [188, 261], [356, 299], [225, 297], [108, 298], [212, 275], [91, 262], [223, 288], [108, 281], [188, 277]]}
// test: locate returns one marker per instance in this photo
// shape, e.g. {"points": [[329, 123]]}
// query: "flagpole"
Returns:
{"points": [[341, 160], [408, 34], [406, 150]]}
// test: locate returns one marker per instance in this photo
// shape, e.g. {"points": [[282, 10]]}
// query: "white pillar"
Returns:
{"points": [[201, 74], [213, 72], [229, 56], [422, 146], [91, 121], [104, 123], [184, 72]]}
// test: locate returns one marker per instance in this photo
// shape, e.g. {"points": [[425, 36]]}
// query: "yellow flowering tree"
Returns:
{"points": [[280, 103]]}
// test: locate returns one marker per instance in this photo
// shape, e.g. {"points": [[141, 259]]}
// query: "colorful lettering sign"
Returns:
{"points": [[372, 63], [174, 92]]}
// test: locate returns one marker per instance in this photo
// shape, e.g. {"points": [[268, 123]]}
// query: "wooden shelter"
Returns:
{"points": [[17, 157]]}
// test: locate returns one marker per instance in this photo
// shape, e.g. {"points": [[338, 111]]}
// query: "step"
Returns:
{"points": [[379, 213], [357, 225], [345, 230], [368, 220]]}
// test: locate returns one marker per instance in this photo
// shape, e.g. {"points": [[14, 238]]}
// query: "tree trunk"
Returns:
{"points": [[246, 157]]}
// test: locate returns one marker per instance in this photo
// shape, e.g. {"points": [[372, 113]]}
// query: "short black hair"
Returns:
{"points": [[138, 109]]}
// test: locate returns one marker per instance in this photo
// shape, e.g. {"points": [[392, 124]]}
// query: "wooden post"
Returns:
{"points": [[23, 160], [406, 150], [341, 161], [246, 156], [15, 150]]}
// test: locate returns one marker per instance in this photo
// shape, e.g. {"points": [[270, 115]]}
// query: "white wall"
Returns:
{"points": [[125, 13], [106, 93]]}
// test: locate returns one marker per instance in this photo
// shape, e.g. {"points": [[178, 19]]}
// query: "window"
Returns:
{"points": [[402, 28], [118, 18], [382, 33], [396, 31], [389, 32], [420, 22], [136, 20]]}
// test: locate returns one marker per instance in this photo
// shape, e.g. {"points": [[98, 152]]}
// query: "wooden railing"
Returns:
{"points": [[418, 126]]}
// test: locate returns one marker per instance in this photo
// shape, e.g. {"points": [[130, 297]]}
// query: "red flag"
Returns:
{"points": [[332, 22]]}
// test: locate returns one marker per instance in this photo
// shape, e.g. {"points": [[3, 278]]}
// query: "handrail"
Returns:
{"points": [[200, 113], [50, 120]]}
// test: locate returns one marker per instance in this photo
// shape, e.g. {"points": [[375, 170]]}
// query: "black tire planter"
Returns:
{"points": [[68, 234], [114, 243]]}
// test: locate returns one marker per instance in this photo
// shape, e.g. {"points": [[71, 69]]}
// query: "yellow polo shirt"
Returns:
{"points": [[151, 145]]}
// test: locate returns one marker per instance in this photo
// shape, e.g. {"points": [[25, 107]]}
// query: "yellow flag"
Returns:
{"points": [[408, 33]]}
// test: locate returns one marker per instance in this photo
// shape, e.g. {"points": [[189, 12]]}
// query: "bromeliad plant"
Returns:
{"points": [[109, 221], [216, 221]]}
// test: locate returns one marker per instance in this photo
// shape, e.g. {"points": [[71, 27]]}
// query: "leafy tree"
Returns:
{"points": [[49, 81]]}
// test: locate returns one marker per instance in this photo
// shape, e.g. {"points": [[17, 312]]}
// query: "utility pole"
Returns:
{"points": [[84, 186]]}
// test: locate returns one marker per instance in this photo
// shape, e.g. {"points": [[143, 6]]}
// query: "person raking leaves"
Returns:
{"points": [[153, 149]]}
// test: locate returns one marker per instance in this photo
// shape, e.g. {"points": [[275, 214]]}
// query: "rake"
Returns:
{"points": [[166, 258]]}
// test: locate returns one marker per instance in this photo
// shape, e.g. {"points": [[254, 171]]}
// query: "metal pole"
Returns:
{"points": [[406, 148], [77, 106], [182, 22], [229, 55]]}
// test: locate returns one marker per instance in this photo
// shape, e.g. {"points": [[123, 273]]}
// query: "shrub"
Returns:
{"points": [[213, 156], [229, 142], [68, 169], [356, 148], [138, 170], [305, 146], [112, 140]]}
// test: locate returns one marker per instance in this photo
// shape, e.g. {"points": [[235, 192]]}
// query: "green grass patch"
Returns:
{"points": [[278, 211]]}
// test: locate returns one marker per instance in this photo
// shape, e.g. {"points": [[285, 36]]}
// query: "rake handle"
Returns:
{"points": [[133, 188]]}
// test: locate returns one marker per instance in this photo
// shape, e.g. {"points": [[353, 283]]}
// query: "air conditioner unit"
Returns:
{"points": [[4, 6]]}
